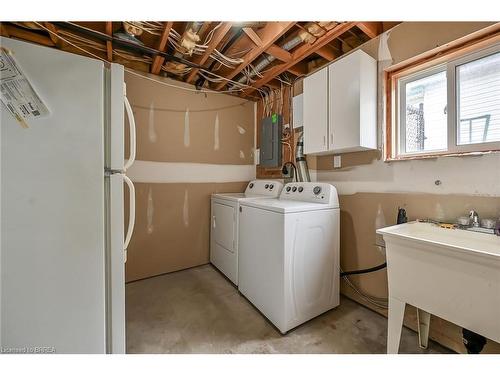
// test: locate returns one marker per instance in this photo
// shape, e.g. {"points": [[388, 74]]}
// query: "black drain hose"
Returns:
{"points": [[366, 270]]}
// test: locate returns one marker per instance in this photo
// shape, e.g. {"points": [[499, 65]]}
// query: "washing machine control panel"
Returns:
{"points": [[269, 188], [318, 192]]}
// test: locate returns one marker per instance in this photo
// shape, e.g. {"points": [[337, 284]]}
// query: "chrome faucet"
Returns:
{"points": [[474, 217]]}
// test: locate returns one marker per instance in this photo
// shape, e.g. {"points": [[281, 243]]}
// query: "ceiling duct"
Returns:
{"points": [[308, 34]]}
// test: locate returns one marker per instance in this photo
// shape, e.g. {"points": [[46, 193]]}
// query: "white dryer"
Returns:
{"points": [[225, 223], [289, 253]]}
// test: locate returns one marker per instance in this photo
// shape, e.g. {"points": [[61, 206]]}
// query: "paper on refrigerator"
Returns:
{"points": [[17, 93]]}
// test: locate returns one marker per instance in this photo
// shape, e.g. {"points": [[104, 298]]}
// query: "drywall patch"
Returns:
{"points": [[185, 209], [151, 124], [241, 129], [384, 54], [150, 211], [216, 132], [186, 129]]}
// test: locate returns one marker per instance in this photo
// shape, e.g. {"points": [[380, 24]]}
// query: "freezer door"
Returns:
{"points": [[116, 268], [52, 208], [115, 126]]}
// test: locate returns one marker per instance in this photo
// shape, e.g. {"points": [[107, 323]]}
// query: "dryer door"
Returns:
{"points": [[223, 226]]}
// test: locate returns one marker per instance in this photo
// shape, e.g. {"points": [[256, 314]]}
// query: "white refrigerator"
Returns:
{"points": [[63, 241]]}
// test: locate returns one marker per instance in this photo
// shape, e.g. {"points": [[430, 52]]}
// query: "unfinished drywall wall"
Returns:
{"points": [[371, 190], [189, 145]]}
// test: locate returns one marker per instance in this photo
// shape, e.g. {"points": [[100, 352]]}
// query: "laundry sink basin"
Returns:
{"points": [[451, 273]]}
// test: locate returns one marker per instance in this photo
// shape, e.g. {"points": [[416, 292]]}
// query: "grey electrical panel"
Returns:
{"points": [[270, 141]]}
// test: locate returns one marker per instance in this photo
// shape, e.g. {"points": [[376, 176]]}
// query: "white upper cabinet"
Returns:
{"points": [[315, 112], [351, 109]]}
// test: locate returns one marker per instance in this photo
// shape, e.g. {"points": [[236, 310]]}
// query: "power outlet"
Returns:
{"points": [[337, 161]]}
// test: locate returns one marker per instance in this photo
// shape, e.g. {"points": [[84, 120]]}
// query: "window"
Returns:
{"points": [[449, 108]]}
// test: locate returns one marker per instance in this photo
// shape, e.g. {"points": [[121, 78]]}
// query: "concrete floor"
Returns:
{"points": [[199, 311]]}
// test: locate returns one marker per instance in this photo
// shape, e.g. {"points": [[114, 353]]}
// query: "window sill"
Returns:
{"points": [[440, 155]]}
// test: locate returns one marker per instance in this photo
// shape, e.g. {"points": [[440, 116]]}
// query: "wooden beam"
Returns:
{"points": [[19, 33], [109, 45], [3, 30], [253, 36], [162, 46], [299, 69], [279, 53], [219, 34], [302, 52], [371, 29], [57, 41], [268, 34], [327, 53]]}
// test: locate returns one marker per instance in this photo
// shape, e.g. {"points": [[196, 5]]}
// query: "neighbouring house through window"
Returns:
{"points": [[452, 107]]}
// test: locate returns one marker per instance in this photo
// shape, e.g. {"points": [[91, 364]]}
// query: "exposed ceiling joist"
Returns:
{"points": [[268, 34], [371, 29], [327, 53], [53, 36], [248, 42], [253, 36], [162, 46], [3, 30], [109, 44], [19, 33], [279, 53], [301, 53], [219, 34], [299, 69]]}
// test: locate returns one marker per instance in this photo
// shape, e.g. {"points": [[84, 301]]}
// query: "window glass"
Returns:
{"points": [[425, 114], [478, 90]]}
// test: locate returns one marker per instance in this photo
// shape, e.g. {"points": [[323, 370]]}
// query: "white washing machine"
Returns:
{"points": [[225, 223], [289, 253]]}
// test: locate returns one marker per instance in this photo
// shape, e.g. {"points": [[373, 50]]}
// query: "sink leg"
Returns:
{"points": [[395, 324], [424, 323]]}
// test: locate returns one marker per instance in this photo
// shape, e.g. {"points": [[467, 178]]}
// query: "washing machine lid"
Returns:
{"points": [[287, 206], [236, 197], [255, 189]]}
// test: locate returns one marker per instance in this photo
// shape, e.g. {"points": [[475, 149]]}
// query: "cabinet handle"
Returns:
{"points": [[331, 138], [324, 140]]}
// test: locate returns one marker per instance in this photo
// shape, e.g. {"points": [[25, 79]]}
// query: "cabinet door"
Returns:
{"points": [[316, 112], [344, 103]]}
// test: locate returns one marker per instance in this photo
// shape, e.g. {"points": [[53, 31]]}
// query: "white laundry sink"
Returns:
{"points": [[450, 273]]}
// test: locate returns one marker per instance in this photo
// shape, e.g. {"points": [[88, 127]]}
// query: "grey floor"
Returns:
{"points": [[199, 311]]}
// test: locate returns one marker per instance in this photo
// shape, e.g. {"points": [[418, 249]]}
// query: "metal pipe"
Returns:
{"points": [[300, 160], [309, 33], [267, 59]]}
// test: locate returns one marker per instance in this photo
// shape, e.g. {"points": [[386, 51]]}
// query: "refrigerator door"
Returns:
{"points": [[52, 208], [115, 130], [116, 264], [115, 257]]}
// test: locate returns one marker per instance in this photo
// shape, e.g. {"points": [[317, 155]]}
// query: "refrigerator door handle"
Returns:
{"points": [[131, 122], [131, 219]]}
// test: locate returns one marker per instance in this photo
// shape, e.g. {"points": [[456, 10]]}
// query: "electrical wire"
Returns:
{"points": [[381, 303], [137, 74], [366, 270]]}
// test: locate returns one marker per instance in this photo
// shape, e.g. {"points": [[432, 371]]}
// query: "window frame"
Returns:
{"points": [[401, 110], [447, 58]]}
